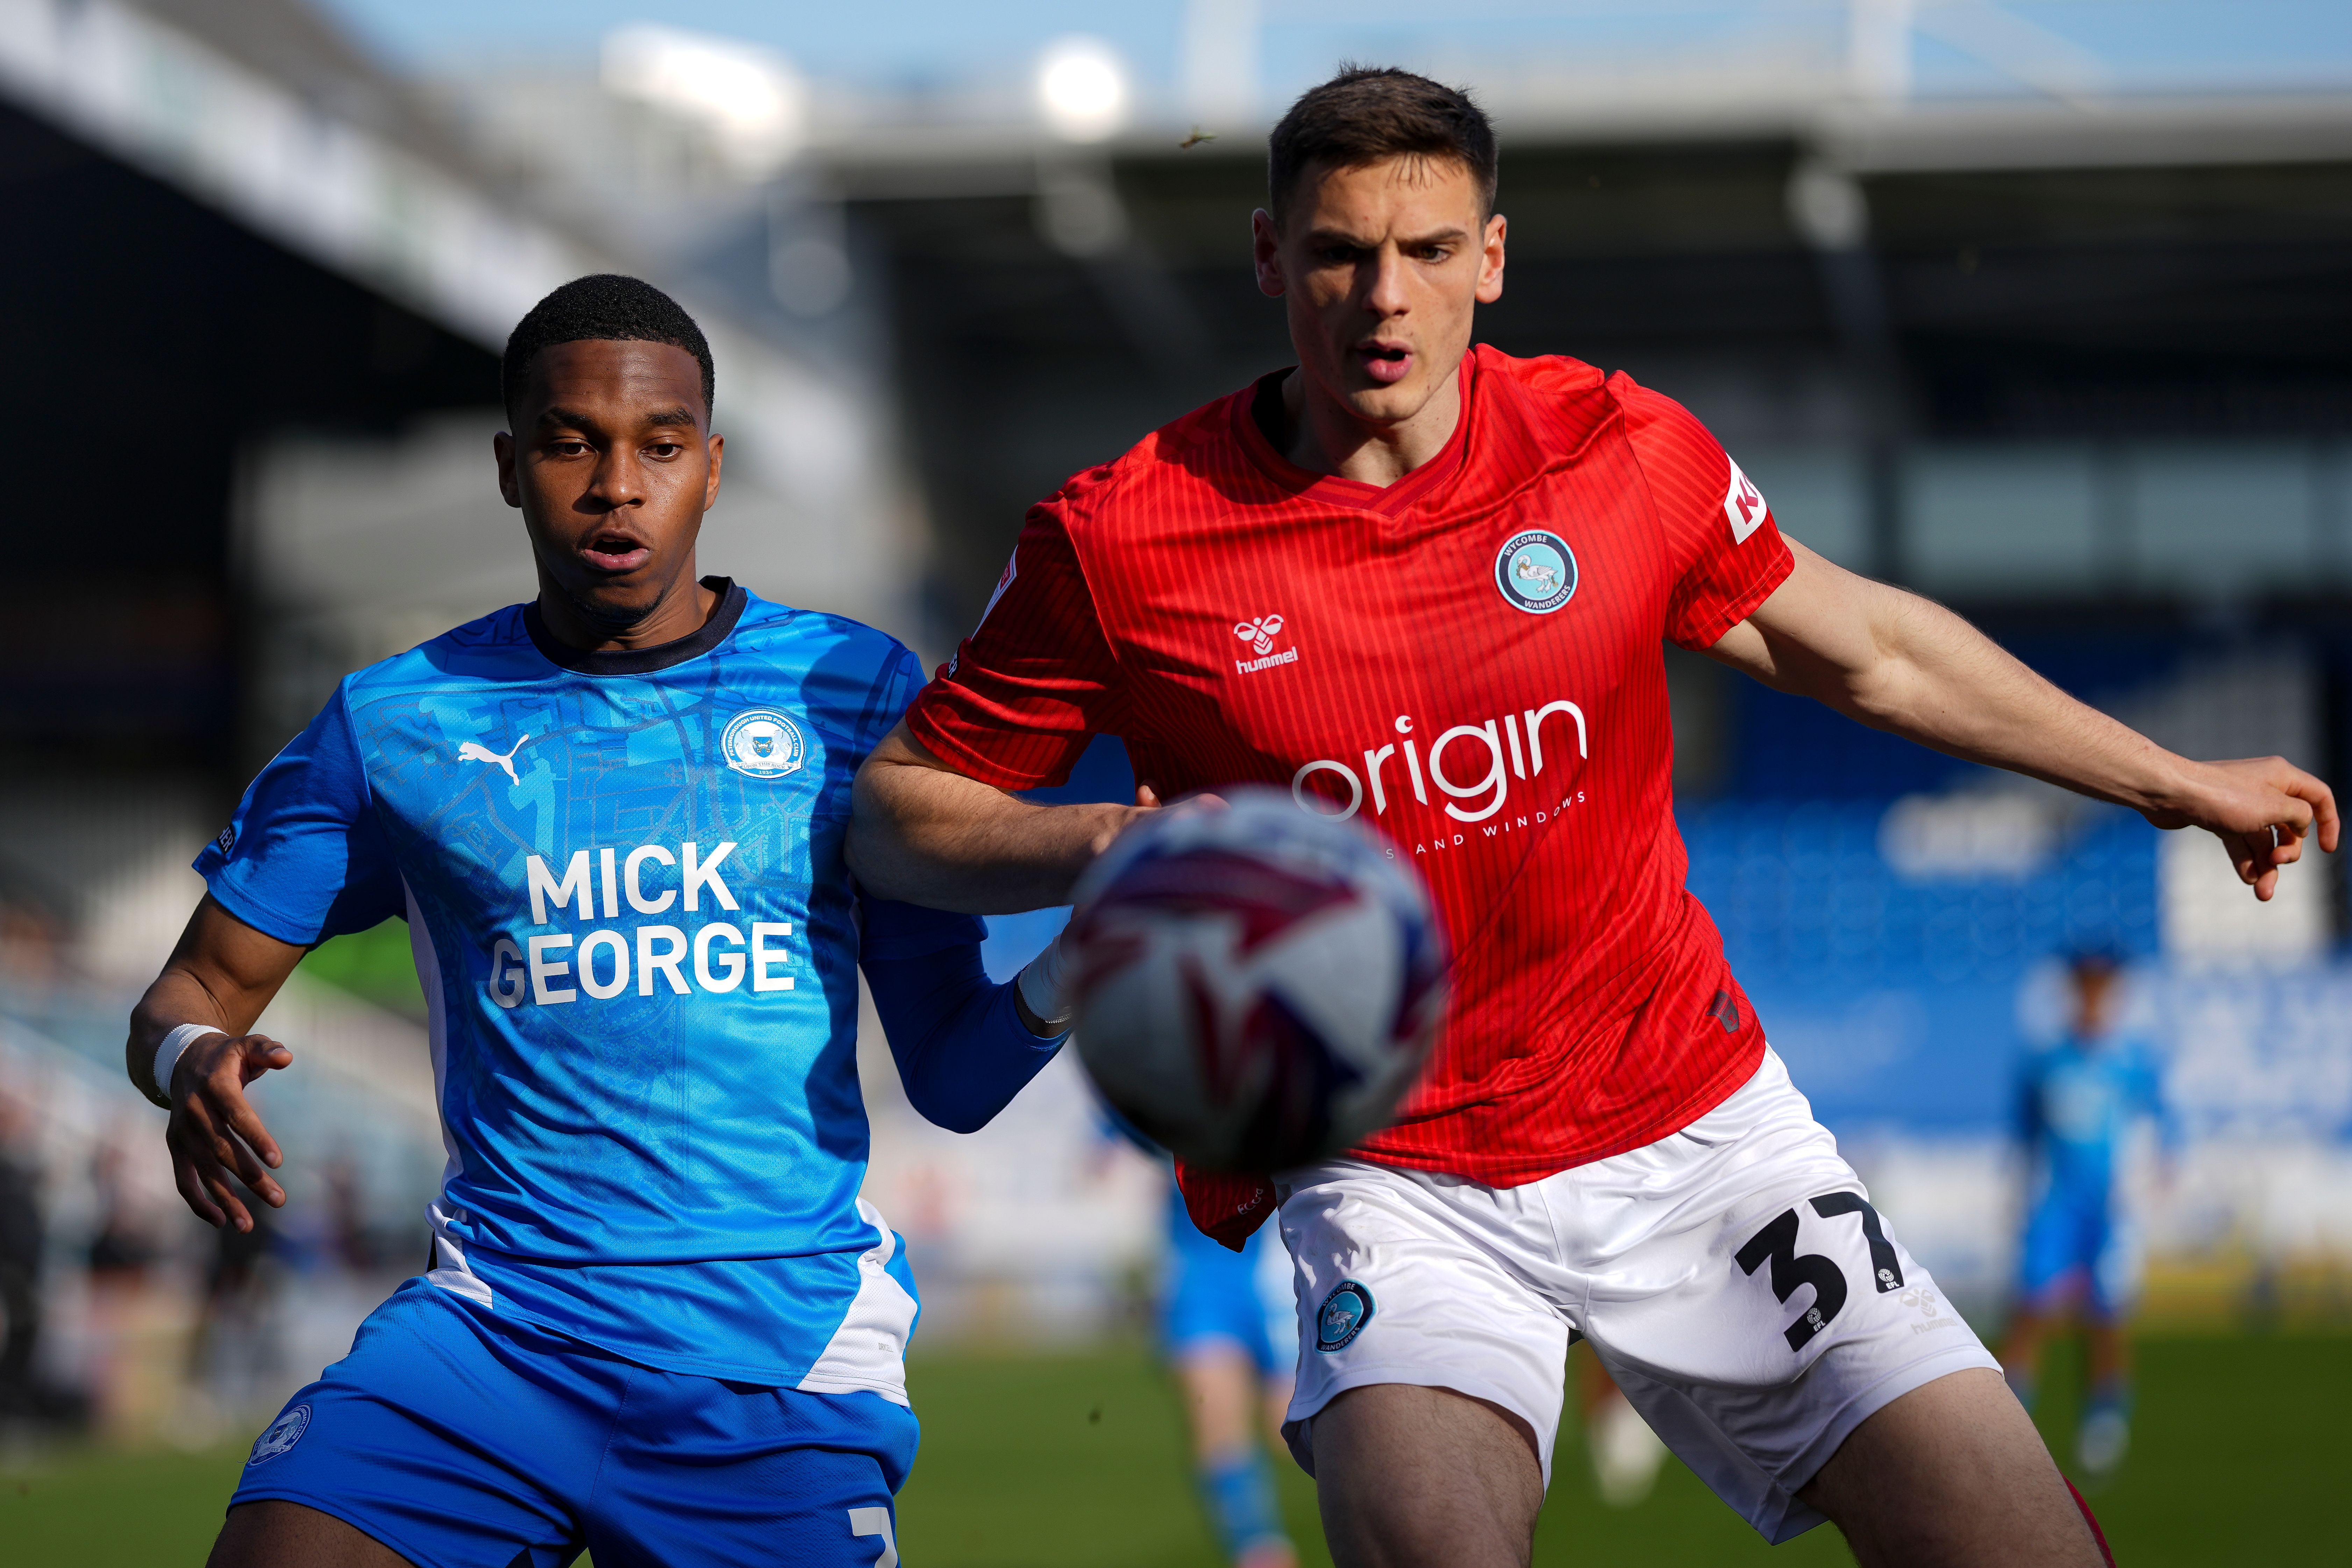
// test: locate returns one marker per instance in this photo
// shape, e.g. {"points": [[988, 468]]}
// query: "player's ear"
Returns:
{"points": [[1266, 249], [1490, 259], [502, 446], [718, 448]]}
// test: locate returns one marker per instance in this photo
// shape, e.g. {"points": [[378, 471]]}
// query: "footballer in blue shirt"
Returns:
{"points": [[2077, 1104], [658, 1323]]}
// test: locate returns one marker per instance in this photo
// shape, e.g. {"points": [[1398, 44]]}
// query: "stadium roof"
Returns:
{"points": [[259, 110], [923, 156]]}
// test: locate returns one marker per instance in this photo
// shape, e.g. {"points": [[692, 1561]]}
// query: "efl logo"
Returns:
{"points": [[1743, 504], [1260, 633], [283, 1434], [1004, 581]]}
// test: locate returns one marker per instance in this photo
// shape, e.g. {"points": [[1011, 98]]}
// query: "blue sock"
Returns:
{"points": [[1238, 1490], [2111, 1394]]}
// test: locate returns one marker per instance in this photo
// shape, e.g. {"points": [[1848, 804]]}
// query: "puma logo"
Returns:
{"points": [[473, 752]]}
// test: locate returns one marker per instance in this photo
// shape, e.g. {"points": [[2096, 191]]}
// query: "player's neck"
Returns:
{"points": [[678, 612], [1324, 435]]}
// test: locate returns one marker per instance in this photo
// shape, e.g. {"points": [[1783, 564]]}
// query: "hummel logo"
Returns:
{"points": [[1260, 633], [473, 752]]}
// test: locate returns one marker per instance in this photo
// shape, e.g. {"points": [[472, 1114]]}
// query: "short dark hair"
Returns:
{"points": [[1367, 113], [606, 305]]}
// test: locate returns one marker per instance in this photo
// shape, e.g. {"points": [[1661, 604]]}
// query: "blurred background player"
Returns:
{"points": [[21, 1241], [1230, 1330], [1624, 1453], [2078, 1103], [1228, 1321]]}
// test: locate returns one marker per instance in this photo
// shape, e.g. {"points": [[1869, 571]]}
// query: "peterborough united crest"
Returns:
{"points": [[1537, 572], [1345, 1312], [763, 743], [283, 1434]]}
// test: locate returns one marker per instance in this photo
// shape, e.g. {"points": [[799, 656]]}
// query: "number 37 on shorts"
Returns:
{"points": [[1776, 1245]]}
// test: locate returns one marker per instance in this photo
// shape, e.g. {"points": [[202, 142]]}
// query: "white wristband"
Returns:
{"points": [[168, 1054], [1044, 983]]}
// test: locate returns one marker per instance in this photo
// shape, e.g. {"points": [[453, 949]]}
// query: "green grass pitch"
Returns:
{"points": [[2240, 1451]]}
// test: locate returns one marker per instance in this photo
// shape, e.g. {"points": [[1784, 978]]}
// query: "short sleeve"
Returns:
{"points": [[304, 859], [1035, 681], [1728, 551]]}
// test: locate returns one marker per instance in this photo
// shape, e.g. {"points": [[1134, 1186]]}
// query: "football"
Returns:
{"points": [[1255, 988]]}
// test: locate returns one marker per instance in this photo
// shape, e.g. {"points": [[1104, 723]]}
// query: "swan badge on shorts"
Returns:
{"points": [[1343, 1317], [763, 743], [283, 1434], [1536, 571]]}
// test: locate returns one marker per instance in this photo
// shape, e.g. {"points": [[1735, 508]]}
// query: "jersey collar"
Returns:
{"points": [[1390, 501], [642, 660]]}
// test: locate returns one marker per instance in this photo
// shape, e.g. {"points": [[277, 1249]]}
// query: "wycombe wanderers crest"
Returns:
{"points": [[1536, 571], [763, 743], [1344, 1313]]}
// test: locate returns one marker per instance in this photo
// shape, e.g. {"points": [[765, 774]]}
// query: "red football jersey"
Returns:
{"points": [[1470, 659]]}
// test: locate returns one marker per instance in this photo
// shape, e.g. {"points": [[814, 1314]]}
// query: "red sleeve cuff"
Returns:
{"points": [[949, 748], [1700, 634]]}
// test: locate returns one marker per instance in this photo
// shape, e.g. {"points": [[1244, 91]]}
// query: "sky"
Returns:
{"points": [[2141, 45]]}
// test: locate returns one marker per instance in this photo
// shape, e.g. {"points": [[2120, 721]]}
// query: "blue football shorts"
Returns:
{"points": [[2074, 1243], [1211, 1295], [460, 1439]]}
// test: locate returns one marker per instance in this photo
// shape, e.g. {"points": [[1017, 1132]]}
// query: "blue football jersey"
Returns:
{"points": [[624, 881], [2078, 1101]]}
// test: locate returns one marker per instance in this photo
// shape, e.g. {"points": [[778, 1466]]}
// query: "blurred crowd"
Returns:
{"points": [[122, 1316]]}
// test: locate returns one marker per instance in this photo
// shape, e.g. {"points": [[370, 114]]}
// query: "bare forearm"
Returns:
{"points": [[221, 972], [1952, 687], [1896, 662], [1900, 663], [176, 998], [930, 836]]}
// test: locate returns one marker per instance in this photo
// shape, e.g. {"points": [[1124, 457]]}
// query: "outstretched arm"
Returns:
{"points": [[1901, 663], [927, 835], [965, 1045], [219, 977]]}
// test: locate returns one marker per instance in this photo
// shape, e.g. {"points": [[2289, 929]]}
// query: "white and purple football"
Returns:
{"points": [[1256, 988]]}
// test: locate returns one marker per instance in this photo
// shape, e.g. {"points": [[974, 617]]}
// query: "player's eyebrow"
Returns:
{"points": [[573, 419], [1341, 237]]}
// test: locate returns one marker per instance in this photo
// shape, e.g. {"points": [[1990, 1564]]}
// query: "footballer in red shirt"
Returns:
{"points": [[1469, 660], [1425, 584]]}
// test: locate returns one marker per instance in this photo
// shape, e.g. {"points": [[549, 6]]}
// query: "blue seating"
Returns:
{"points": [[1802, 895]]}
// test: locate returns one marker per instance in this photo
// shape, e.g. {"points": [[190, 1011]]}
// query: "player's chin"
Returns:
{"points": [[619, 598], [1377, 402]]}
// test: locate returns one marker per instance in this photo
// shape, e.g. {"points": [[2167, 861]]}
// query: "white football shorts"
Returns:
{"points": [[1733, 1276]]}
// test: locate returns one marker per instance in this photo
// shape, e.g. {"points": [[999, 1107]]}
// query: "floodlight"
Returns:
{"points": [[1082, 89], [749, 100]]}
